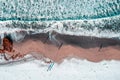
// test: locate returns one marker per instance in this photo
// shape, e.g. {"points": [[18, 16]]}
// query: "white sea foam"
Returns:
{"points": [[94, 27]]}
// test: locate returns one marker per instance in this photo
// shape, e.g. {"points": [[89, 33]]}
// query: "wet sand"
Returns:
{"points": [[61, 46]]}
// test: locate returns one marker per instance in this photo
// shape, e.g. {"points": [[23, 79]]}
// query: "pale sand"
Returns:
{"points": [[58, 55], [81, 47]]}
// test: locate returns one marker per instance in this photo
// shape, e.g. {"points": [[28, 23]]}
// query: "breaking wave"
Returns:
{"points": [[73, 17], [105, 27]]}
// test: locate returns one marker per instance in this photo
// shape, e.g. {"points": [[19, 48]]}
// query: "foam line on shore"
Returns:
{"points": [[104, 27]]}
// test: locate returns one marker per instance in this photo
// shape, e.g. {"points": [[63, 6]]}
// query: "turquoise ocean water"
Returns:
{"points": [[99, 18]]}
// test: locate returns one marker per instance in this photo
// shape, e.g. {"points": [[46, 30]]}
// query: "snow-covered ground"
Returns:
{"points": [[73, 69]]}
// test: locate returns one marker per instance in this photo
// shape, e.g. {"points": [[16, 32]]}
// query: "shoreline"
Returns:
{"points": [[84, 48], [99, 28]]}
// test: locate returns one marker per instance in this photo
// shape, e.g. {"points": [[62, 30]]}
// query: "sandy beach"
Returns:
{"points": [[65, 46]]}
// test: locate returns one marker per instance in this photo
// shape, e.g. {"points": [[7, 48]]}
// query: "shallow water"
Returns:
{"points": [[35, 10], [76, 17]]}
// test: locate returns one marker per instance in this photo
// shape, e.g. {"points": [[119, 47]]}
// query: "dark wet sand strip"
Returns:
{"points": [[63, 46]]}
